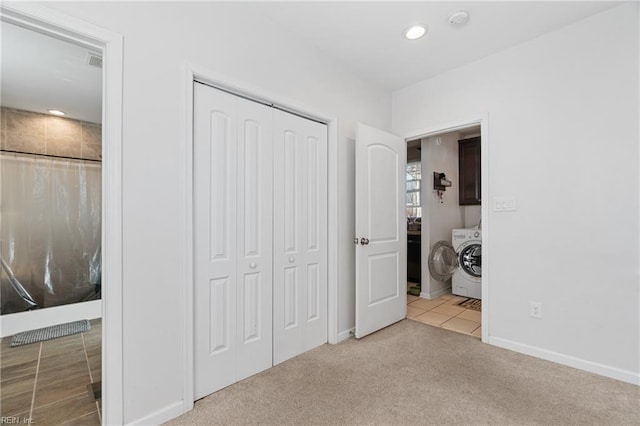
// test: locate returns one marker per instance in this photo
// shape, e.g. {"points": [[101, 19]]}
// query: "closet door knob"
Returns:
{"points": [[291, 259], [252, 265]]}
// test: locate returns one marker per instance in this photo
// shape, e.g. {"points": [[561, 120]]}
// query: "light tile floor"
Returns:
{"points": [[444, 313], [47, 382]]}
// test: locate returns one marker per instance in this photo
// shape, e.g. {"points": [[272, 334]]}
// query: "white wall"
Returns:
{"points": [[441, 217], [563, 138], [472, 216], [230, 41]]}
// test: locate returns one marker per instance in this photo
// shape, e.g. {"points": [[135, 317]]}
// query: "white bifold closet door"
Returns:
{"points": [[260, 237], [233, 169], [300, 236]]}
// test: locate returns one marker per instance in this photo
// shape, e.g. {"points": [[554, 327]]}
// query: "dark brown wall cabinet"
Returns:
{"points": [[469, 168]]}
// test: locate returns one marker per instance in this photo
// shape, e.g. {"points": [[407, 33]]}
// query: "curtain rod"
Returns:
{"points": [[50, 155]]}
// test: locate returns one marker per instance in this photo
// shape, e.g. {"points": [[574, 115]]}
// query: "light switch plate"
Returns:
{"points": [[504, 204]]}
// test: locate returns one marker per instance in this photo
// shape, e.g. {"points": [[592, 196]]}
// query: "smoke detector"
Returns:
{"points": [[94, 60], [459, 17]]}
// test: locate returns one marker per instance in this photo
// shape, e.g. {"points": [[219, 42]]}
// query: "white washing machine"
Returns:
{"points": [[460, 261], [467, 278]]}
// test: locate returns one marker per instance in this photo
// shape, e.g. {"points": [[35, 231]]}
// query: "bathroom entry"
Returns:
{"points": [[51, 174], [51, 235]]}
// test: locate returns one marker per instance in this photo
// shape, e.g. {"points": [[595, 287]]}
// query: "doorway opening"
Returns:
{"points": [[50, 241], [66, 163], [444, 228]]}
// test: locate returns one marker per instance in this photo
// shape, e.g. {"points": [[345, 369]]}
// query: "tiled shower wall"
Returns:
{"points": [[36, 133]]}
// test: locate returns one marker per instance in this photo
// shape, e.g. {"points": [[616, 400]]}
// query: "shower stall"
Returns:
{"points": [[50, 240]]}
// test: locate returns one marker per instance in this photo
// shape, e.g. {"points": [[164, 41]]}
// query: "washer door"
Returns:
{"points": [[470, 259], [443, 261]]}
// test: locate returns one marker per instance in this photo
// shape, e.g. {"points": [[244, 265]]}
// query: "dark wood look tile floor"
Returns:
{"points": [[47, 382]]}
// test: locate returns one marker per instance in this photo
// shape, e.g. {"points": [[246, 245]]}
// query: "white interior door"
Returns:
{"points": [[255, 238], [381, 251], [233, 160], [300, 236]]}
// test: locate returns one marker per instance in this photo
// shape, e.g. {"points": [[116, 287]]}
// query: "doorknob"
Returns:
{"points": [[291, 259], [364, 241], [253, 265]]}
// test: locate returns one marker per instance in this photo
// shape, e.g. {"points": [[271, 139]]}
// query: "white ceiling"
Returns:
{"points": [[41, 72], [368, 37]]}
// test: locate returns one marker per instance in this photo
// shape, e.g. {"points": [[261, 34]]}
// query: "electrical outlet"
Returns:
{"points": [[535, 310]]}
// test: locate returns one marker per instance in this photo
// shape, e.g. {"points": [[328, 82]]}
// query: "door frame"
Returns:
{"points": [[481, 120], [189, 74], [57, 24]]}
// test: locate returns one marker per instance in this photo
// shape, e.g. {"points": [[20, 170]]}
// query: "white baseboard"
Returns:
{"points": [[435, 294], [580, 364], [11, 324], [161, 416], [344, 335]]}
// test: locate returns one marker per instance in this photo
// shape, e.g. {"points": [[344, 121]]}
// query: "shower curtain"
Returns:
{"points": [[50, 232]]}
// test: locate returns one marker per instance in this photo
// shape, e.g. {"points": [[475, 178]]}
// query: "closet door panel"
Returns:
{"points": [[300, 190], [287, 227], [254, 236], [233, 174], [215, 157], [260, 219], [315, 327]]}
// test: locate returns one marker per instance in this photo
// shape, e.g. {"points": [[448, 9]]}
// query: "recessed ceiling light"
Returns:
{"points": [[57, 112], [415, 32]]}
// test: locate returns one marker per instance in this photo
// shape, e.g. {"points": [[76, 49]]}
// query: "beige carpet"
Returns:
{"points": [[415, 374]]}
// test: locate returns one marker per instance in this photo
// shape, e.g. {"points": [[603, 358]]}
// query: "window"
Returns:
{"points": [[413, 202]]}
